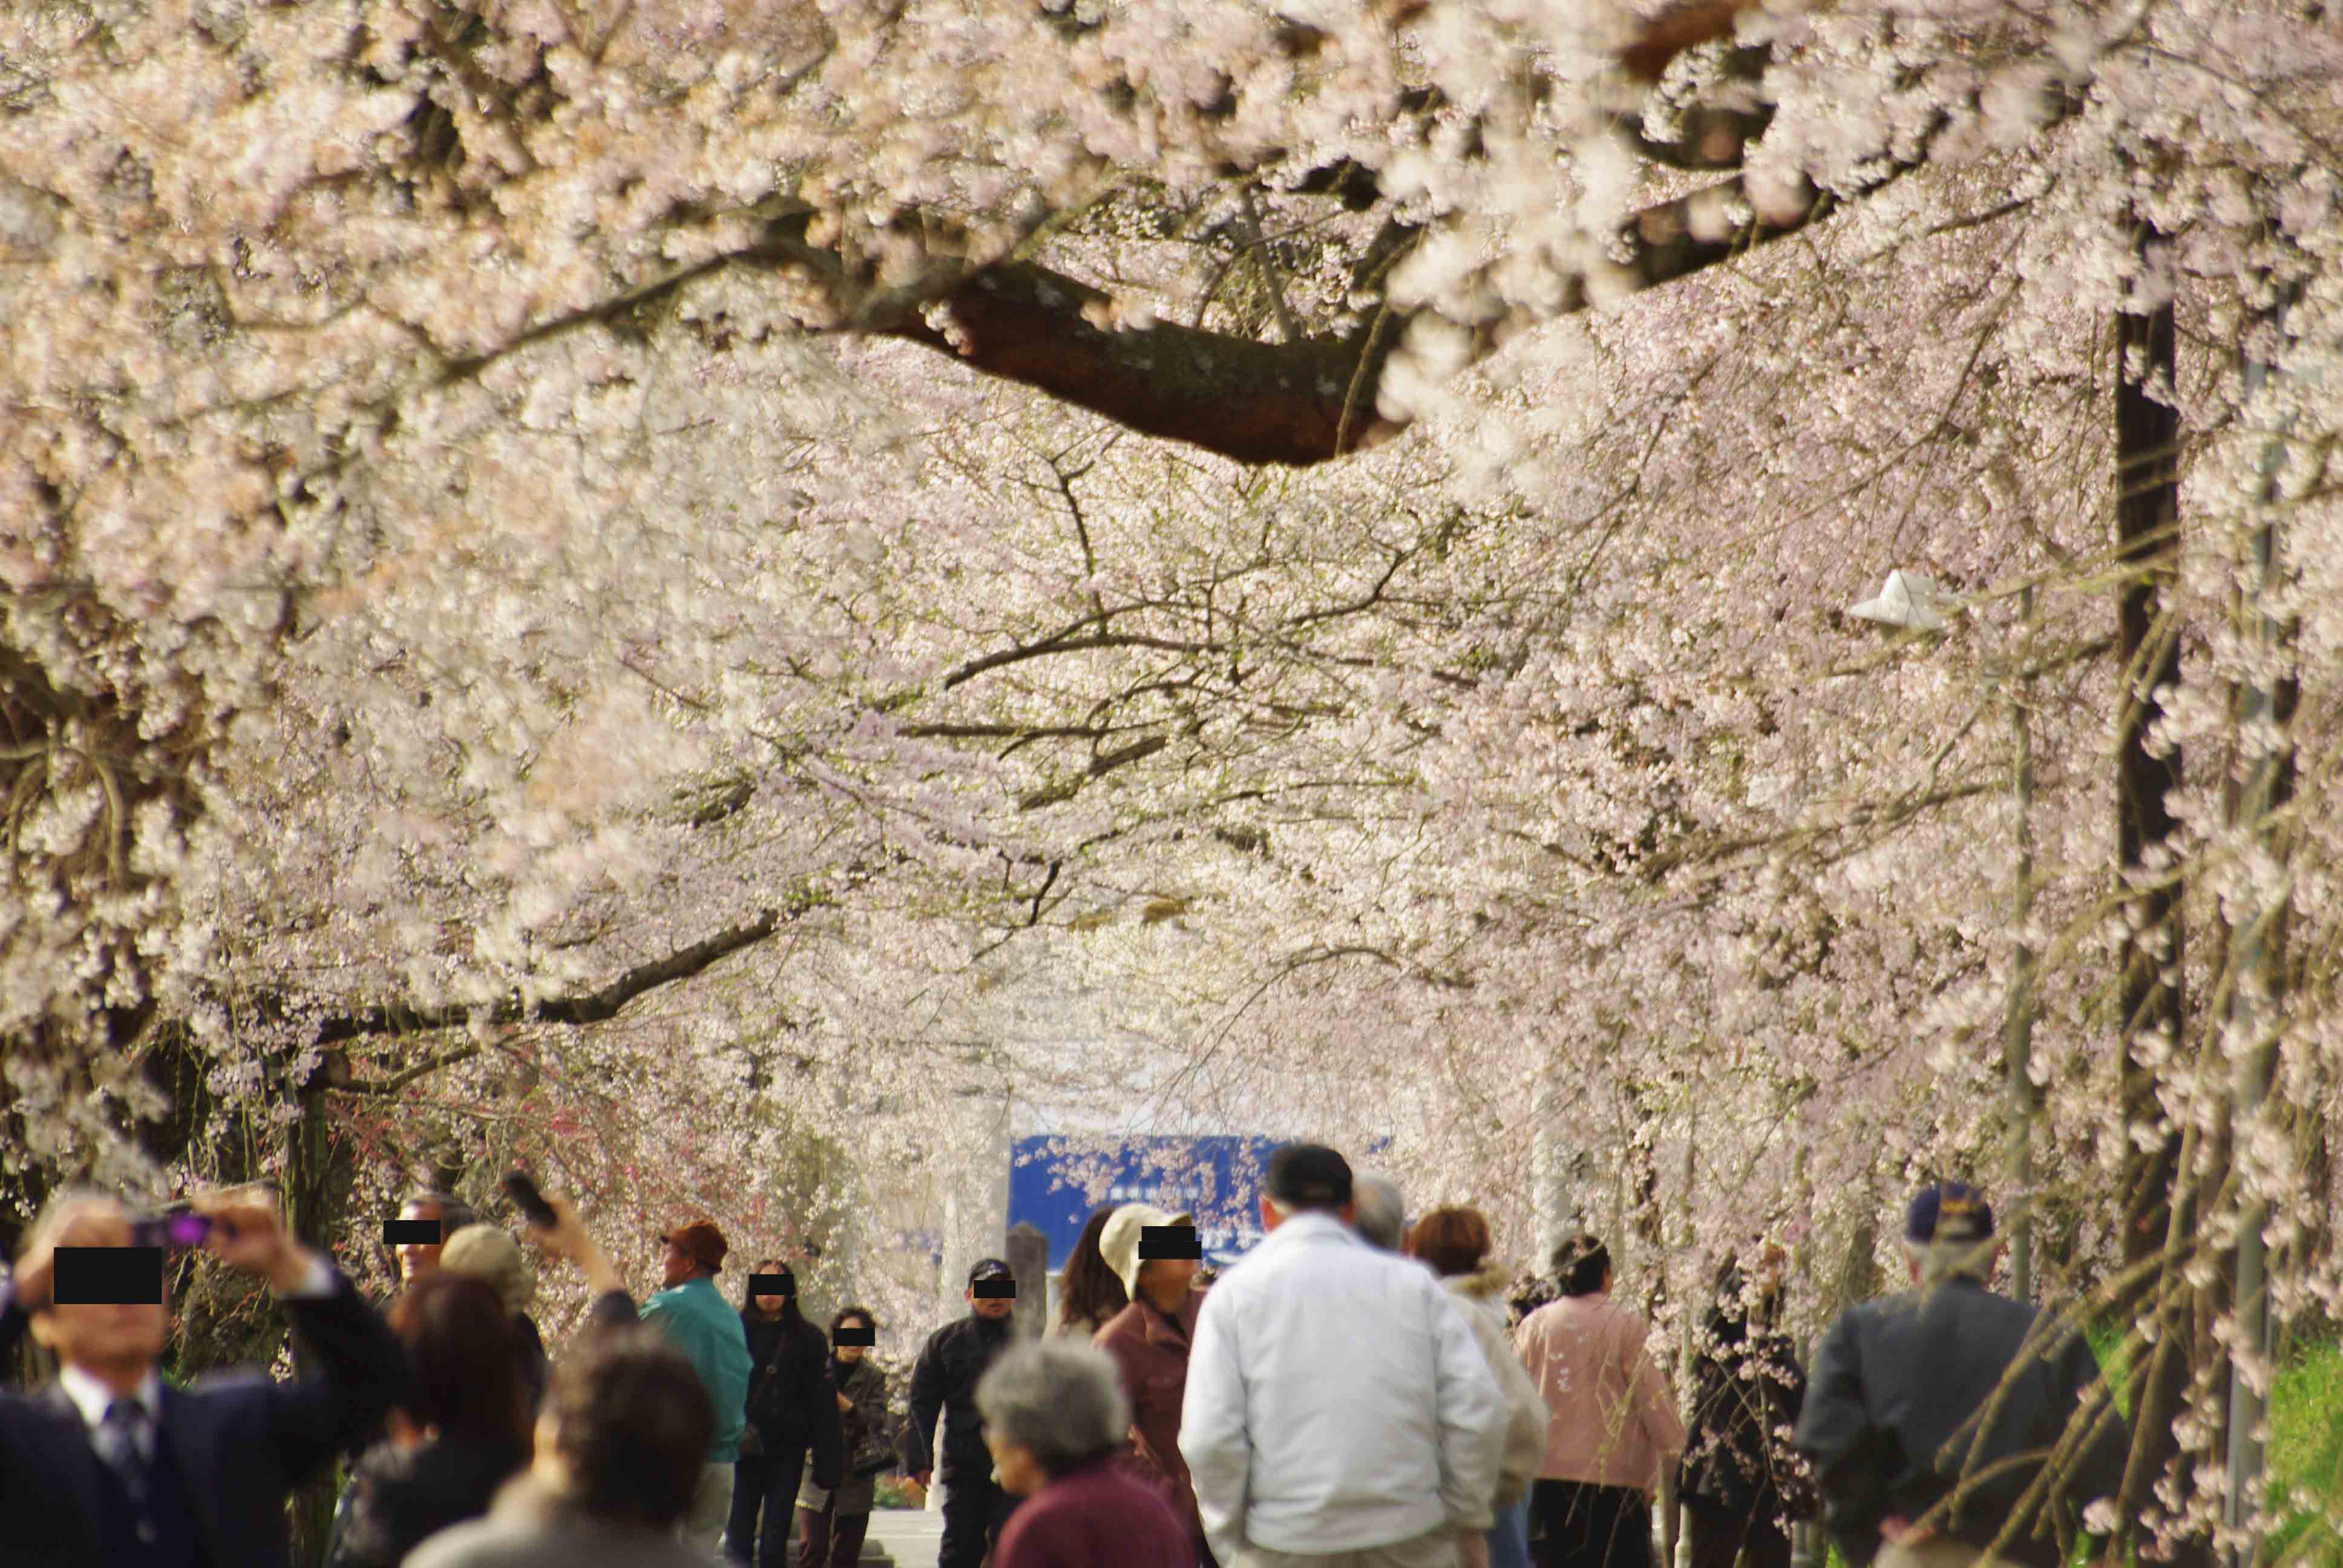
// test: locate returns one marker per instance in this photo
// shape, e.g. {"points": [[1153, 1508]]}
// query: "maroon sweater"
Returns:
{"points": [[1095, 1517]]}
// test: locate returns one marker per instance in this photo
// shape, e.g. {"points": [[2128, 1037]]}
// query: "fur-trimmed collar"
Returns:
{"points": [[1484, 1284]]}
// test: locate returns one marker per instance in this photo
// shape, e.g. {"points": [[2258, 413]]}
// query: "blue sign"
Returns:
{"points": [[1055, 1183]]}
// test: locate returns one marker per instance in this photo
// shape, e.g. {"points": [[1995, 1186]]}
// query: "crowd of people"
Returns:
{"points": [[1358, 1391]]}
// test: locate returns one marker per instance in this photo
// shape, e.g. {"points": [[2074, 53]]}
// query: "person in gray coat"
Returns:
{"points": [[1932, 1416], [620, 1444]]}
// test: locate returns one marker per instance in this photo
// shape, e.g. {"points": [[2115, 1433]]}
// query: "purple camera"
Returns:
{"points": [[179, 1229]]}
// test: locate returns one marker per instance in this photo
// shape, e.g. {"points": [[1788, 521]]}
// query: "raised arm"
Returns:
{"points": [[361, 1369]]}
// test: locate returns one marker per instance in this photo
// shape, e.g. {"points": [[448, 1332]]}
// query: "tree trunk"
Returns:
{"points": [[2147, 543], [319, 1177], [2147, 540]]}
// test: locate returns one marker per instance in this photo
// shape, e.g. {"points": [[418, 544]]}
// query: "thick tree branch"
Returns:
{"points": [[590, 1007], [1306, 402], [1297, 403]]}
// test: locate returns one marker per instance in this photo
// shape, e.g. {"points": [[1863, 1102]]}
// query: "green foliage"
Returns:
{"points": [[2306, 1459], [2107, 1340], [893, 1492]]}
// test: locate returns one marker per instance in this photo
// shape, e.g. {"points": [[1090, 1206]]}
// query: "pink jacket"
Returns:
{"points": [[1614, 1421]]}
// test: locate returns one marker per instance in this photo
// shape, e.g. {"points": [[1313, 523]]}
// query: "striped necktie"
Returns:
{"points": [[125, 1439]]}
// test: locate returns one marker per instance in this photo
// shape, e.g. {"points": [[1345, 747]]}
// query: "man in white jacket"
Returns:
{"points": [[1339, 1413]]}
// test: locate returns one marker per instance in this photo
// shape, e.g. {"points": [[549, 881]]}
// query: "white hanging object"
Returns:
{"points": [[1907, 599]]}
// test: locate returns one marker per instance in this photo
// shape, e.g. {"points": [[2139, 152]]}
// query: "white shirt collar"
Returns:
{"points": [[90, 1397], [1313, 1223]]}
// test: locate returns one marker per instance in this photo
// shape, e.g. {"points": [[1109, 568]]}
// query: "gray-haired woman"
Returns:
{"points": [[1054, 1418]]}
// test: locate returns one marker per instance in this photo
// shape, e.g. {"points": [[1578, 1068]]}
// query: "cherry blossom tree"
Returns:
{"points": [[597, 585]]}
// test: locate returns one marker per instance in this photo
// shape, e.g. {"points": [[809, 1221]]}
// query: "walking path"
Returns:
{"points": [[910, 1535]]}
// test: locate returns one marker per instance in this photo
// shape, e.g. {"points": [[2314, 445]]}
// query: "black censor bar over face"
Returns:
{"points": [[1170, 1242], [772, 1284], [855, 1334], [993, 1290], [107, 1276], [410, 1232]]}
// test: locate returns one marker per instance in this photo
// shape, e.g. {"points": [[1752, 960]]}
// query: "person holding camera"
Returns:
{"points": [[107, 1467]]}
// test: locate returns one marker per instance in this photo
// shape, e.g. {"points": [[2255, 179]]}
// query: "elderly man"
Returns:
{"points": [[1929, 1412], [110, 1468], [1339, 1413], [1381, 1211], [701, 1323]]}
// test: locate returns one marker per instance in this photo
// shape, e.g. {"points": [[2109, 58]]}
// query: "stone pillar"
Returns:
{"points": [[1029, 1259]]}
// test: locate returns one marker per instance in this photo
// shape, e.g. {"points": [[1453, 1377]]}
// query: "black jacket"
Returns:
{"points": [[1917, 1401], [534, 1364], [241, 1442], [396, 1497], [944, 1379], [1744, 1395], [792, 1403], [863, 1429]]}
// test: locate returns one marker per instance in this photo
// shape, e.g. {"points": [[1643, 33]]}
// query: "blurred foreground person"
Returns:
{"points": [[1742, 1483], [1150, 1340], [1930, 1412], [832, 1521], [1088, 1290], [488, 1253], [1054, 1421], [1454, 1242], [108, 1468], [943, 1381], [1338, 1412], [620, 1447], [457, 1433], [792, 1406], [1613, 1422]]}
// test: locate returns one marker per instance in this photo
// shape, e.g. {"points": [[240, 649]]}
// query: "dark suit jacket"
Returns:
{"points": [[1942, 1406], [241, 1441]]}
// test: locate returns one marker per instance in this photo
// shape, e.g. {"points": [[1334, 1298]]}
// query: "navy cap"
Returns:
{"points": [[1949, 1211], [989, 1268]]}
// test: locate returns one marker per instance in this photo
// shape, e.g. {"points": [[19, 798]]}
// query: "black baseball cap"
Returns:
{"points": [[1949, 1211], [989, 1268], [1309, 1176]]}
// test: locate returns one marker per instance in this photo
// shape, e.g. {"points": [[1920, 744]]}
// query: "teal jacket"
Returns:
{"points": [[704, 1327]]}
